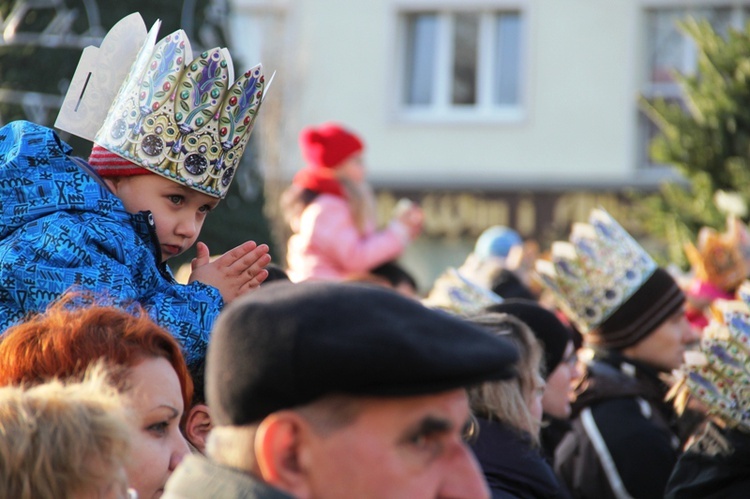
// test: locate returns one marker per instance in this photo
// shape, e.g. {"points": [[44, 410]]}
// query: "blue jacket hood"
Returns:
{"points": [[35, 183]]}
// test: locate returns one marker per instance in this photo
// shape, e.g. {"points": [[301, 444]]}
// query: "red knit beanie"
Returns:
{"points": [[328, 145], [109, 164]]}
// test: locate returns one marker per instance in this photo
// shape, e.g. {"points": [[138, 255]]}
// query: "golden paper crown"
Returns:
{"points": [[596, 272], [719, 374], [183, 118], [717, 258]]}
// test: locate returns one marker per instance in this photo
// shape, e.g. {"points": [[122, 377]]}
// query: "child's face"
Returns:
{"points": [[353, 168], [178, 211]]}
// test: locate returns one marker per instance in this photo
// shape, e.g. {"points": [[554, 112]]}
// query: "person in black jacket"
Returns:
{"points": [[716, 464], [508, 416], [624, 438]]}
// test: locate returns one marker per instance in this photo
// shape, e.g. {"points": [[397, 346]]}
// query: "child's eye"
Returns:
{"points": [[205, 208], [175, 198]]}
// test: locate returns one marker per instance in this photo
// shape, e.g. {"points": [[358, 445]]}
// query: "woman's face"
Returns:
{"points": [[158, 446], [556, 399]]}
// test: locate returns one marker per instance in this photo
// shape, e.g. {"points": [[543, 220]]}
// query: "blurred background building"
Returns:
{"points": [[515, 112]]}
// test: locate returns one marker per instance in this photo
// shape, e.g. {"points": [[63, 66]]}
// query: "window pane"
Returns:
{"points": [[508, 59], [421, 43], [465, 40], [671, 49]]}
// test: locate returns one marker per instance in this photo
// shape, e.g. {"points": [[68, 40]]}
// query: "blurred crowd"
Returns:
{"points": [[582, 370]]}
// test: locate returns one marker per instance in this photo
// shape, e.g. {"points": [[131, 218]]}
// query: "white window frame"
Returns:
{"points": [[442, 110], [672, 90]]}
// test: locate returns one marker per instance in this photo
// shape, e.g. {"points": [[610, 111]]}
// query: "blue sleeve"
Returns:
{"points": [[45, 258]]}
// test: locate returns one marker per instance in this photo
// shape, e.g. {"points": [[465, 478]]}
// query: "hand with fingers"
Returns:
{"points": [[234, 273]]}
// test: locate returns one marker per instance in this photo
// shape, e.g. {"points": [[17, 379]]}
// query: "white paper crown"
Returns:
{"points": [[455, 293], [719, 375], [596, 272], [154, 105]]}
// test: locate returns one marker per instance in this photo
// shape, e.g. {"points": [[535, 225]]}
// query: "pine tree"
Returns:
{"points": [[707, 137]]}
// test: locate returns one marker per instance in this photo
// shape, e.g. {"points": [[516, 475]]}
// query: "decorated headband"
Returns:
{"points": [[596, 272], [153, 104]]}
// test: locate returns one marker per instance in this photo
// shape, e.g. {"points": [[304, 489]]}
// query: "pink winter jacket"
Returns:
{"points": [[328, 245]]}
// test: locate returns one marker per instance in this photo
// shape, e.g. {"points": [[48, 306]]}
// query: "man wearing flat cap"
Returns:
{"points": [[327, 390]]}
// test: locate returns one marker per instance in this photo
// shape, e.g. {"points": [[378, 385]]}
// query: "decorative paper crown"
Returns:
{"points": [[176, 116], [455, 293], [594, 274], [718, 258], [719, 375]]}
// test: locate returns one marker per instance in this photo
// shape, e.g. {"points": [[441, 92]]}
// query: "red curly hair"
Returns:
{"points": [[66, 339]]}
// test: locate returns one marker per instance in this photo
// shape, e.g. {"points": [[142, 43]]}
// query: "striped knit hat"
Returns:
{"points": [[109, 164]]}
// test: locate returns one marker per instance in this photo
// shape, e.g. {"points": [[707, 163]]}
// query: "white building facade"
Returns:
{"points": [[515, 112]]}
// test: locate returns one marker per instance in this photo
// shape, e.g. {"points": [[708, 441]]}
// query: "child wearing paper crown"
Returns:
{"points": [[109, 226], [329, 207]]}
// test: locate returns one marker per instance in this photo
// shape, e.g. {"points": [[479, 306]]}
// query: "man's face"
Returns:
{"points": [[178, 211], [408, 448], [665, 346]]}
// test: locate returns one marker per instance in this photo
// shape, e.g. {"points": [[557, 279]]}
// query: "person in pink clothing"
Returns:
{"points": [[330, 210]]}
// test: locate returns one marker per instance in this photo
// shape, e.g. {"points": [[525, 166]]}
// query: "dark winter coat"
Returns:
{"points": [[623, 440], [511, 465], [706, 472], [62, 228]]}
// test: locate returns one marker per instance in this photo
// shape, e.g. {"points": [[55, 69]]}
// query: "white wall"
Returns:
{"points": [[581, 81]]}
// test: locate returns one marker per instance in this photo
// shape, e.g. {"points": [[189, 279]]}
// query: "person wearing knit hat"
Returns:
{"points": [[330, 389], [560, 366], [108, 226], [330, 210], [624, 439]]}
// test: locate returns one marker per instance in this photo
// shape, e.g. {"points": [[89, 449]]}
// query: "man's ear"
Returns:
{"points": [[198, 426], [279, 443]]}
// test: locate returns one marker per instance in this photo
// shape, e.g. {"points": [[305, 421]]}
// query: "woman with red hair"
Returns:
{"points": [[147, 365]]}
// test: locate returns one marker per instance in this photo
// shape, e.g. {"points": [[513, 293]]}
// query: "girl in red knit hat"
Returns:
{"points": [[330, 210]]}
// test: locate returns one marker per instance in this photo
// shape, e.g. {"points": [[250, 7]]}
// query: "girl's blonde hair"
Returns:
{"points": [[360, 197], [509, 401]]}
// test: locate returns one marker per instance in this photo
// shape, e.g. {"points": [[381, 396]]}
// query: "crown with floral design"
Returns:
{"points": [[455, 293], [596, 272], [183, 118], [717, 258], [719, 374]]}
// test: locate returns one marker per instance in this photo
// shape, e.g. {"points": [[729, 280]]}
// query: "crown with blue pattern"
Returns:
{"points": [[184, 118], [719, 374], [596, 272]]}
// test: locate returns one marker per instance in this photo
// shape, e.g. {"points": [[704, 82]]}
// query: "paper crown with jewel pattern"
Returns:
{"points": [[455, 293], [153, 104], [719, 374], [596, 272]]}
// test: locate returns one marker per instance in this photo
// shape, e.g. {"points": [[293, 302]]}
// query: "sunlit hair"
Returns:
{"points": [[509, 401], [360, 197], [69, 336], [361, 203], [60, 441]]}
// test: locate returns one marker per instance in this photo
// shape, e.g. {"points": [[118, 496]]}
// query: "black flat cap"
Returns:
{"points": [[287, 345]]}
